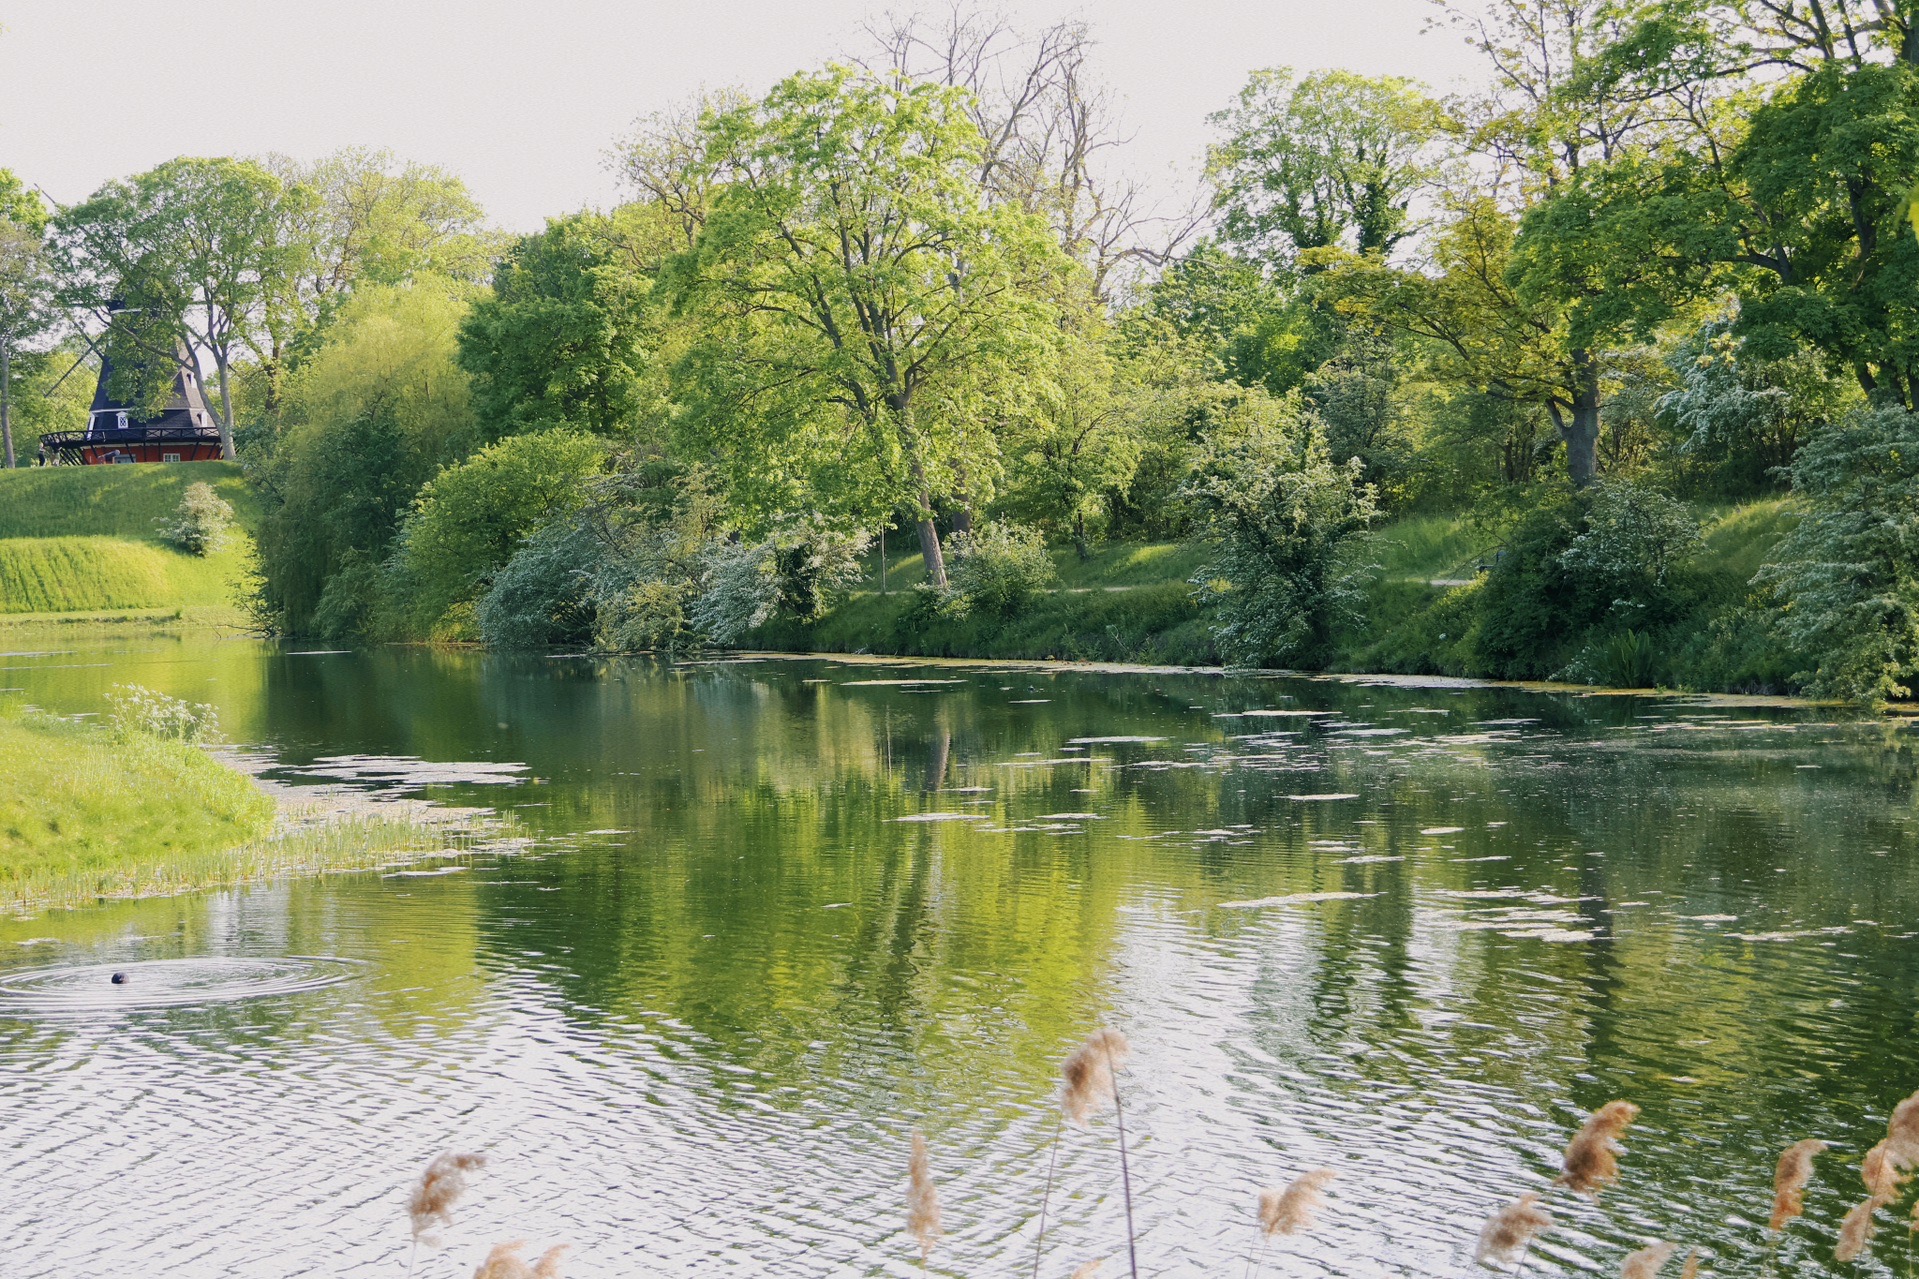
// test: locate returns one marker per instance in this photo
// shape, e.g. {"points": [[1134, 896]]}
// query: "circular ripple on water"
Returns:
{"points": [[168, 983]]}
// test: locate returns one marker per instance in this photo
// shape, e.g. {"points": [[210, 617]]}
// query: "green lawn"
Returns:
{"points": [[84, 814], [84, 540]]}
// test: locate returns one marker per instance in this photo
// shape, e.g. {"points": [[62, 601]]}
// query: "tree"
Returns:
{"points": [[1848, 573], [1285, 515], [26, 309], [1330, 159], [186, 262], [565, 336], [469, 519], [370, 417], [855, 298]]}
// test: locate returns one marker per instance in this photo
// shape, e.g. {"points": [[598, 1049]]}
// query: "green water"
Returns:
{"points": [[1412, 934]]}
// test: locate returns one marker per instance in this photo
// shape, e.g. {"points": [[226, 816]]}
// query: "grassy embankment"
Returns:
{"points": [[81, 543], [1135, 603], [87, 814]]}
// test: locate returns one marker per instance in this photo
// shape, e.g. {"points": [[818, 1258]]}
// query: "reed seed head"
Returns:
{"points": [[922, 1201], [1592, 1157], [1509, 1231], [1691, 1269], [1855, 1232], [1902, 1133], [1881, 1173], [504, 1262], [1088, 1074], [1088, 1270], [1645, 1263], [441, 1186], [1289, 1211], [1789, 1181]]}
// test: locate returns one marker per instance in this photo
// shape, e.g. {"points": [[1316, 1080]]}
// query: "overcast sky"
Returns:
{"points": [[522, 98]]}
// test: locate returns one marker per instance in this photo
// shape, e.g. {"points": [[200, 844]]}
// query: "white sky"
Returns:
{"points": [[522, 98]]}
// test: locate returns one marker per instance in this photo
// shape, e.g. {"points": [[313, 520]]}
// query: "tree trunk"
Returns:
{"points": [[930, 544], [6, 401], [1581, 433], [226, 412], [962, 518]]}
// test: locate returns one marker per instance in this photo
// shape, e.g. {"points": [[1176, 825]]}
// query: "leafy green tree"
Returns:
{"points": [[999, 568], [855, 300], [26, 306], [1285, 515], [567, 334], [1847, 576], [186, 262], [1328, 159], [468, 521], [1075, 444], [371, 416]]}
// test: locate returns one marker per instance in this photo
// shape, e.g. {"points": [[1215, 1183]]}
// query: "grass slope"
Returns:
{"points": [[84, 539], [79, 809]]}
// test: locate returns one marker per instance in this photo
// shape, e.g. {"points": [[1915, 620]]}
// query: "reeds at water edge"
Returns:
{"points": [[1647, 1262], [1088, 1270], [1088, 1080], [441, 1186], [1789, 1181], [1290, 1211], [1591, 1162], [1508, 1234], [1855, 1232], [505, 1262], [922, 1200]]}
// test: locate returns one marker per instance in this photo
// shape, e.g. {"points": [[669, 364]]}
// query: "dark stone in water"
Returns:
{"points": [[119, 979]]}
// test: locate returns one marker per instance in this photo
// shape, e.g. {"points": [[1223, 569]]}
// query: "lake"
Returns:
{"points": [[761, 920]]}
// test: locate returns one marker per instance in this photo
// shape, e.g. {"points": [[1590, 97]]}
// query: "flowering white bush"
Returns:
{"points": [[133, 710]]}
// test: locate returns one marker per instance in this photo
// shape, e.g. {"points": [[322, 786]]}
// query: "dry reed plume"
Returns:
{"points": [[1855, 1232], [1289, 1211], [1789, 1181], [1088, 1270], [1088, 1074], [1509, 1232], [1592, 1162], [1646, 1263], [1691, 1269], [922, 1201], [1902, 1133], [441, 1186], [1881, 1173], [504, 1262]]}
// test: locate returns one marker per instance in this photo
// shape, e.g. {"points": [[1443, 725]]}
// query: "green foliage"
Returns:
{"points": [[134, 711], [371, 416], [854, 302], [1286, 517], [562, 338], [80, 574], [796, 570], [200, 523], [1848, 575], [469, 519], [544, 597], [1328, 159], [998, 569]]}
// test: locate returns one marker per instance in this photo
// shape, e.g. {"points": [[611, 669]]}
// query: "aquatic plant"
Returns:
{"points": [[1855, 1232], [1089, 1080], [441, 1186], [922, 1200], [1881, 1173], [504, 1262], [1591, 1162], [1789, 1181], [1289, 1211], [1508, 1234], [1646, 1263]]}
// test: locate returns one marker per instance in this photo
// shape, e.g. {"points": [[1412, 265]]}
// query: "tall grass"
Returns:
{"points": [[72, 574]]}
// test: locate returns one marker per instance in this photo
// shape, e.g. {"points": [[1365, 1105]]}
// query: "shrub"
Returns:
{"points": [[1847, 577], [795, 569], [545, 595], [1286, 517], [997, 569], [1632, 539], [134, 711], [199, 525]]}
